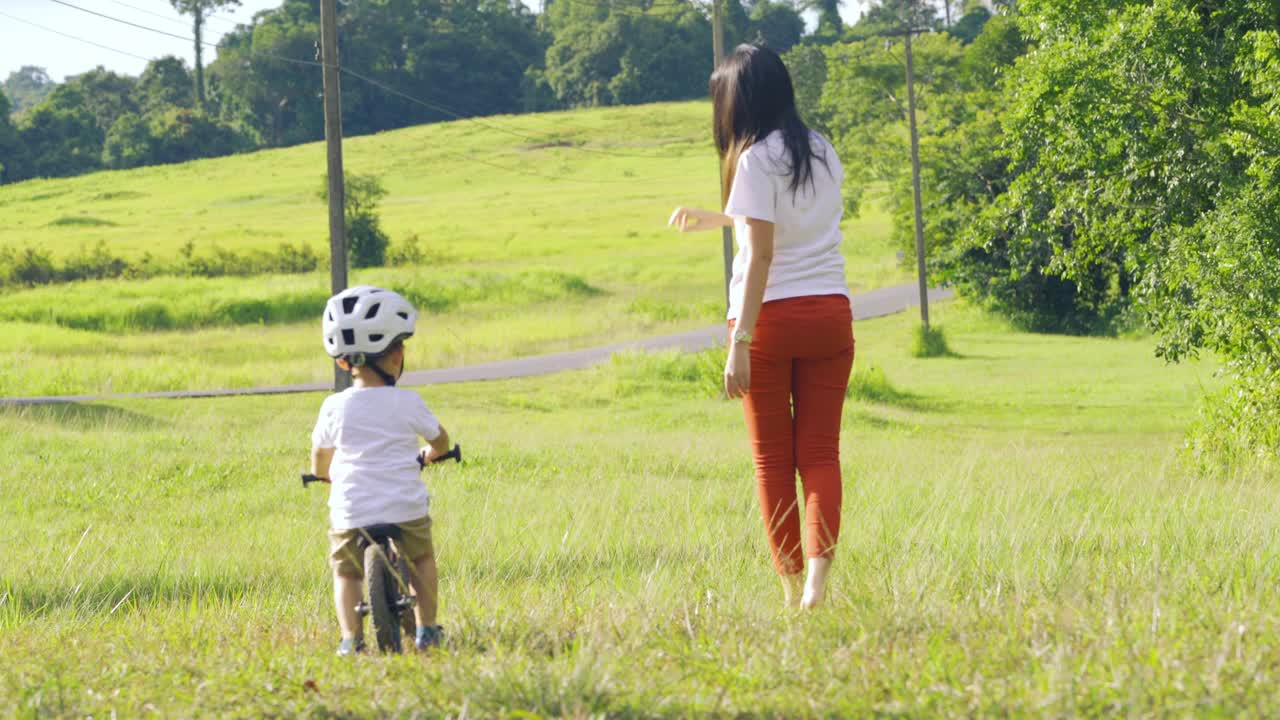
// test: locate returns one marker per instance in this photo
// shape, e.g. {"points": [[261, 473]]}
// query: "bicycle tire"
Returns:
{"points": [[408, 625], [382, 587]]}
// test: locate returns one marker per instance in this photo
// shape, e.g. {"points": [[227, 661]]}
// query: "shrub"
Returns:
{"points": [[929, 342]]}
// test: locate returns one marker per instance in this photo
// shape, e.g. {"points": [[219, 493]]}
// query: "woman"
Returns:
{"points": [[792, 327]]}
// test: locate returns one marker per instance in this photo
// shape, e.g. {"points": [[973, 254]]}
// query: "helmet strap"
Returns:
{"points": [[386, 376]]}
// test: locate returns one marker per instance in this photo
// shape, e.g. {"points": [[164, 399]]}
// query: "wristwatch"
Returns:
{"points": [[742, 337]]}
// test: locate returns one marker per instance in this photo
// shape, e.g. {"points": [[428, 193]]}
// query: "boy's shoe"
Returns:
{"points": [[429, 636], [350, 646]]}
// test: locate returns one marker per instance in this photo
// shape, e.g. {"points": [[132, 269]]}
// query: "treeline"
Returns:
{"points": [[1088, 167], [435, 58]]}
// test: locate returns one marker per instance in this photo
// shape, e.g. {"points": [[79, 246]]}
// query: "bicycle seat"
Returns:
{"points": [[380, 533]]}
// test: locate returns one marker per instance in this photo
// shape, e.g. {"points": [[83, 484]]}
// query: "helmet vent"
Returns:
{"points": [[373, 311], [349, 304], [349, 337], [403, 315], [376, 338]]}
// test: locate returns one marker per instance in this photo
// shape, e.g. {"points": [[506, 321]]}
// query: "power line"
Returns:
{"points": [[207, 16], [123, 22], [73, 37], [271, 56], [148, 12]]}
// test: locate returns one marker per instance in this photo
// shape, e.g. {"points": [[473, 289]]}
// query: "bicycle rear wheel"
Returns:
{"points": [[382, 591]]}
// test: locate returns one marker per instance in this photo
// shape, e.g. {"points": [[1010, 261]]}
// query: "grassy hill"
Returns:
{"points": [[544, 232]]}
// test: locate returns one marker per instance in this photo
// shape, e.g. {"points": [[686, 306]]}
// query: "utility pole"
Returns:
{"points": [[717, 49], [333, 143], [915, 180]]}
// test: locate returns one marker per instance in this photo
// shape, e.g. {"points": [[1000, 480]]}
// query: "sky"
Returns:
{"points": [[21, 43]]}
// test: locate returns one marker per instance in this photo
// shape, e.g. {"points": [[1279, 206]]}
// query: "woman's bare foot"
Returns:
{"points": [[793, 589], [815, 587]]}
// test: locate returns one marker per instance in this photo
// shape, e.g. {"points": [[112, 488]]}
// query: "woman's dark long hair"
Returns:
{"points": [[752, 96]]}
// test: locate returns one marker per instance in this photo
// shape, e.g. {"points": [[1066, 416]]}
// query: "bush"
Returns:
{"points": [[929, 342], [30, 267]]}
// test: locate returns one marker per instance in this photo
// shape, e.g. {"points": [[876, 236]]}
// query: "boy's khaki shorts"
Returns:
{"points": [[347, 560]]}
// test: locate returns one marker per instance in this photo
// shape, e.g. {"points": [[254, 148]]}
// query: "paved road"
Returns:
{"points": [[872, 304]]}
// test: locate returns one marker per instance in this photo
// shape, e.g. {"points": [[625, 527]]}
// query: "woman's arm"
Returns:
{"points": [[694, 219], [759, 253], [320, 460]]}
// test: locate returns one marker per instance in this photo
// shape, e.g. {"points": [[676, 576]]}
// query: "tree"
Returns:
{"points": [[198, 10], [10, 145], [60, 136], [106, 94], [366, 240], [776, 24], [830, 25], [27, 87], [1150, 132], [164, 83], [603, 56]]}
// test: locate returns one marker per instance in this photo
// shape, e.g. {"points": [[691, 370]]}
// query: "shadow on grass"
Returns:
{"points": [[83, 417]]}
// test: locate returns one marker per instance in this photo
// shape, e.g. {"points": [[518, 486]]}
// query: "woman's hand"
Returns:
{"points": [[737, 370], [693, 219]]}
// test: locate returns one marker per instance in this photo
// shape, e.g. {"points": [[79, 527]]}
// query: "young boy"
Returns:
{"points": [[366, 442]]}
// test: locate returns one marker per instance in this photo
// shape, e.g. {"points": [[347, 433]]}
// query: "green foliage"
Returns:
{"points": [[870, 384], [211, 297], [776, 25], [807, 64], [929, 342], [27, 87], [172, 135], [673, 374], [107, 95], [165, 83], [366, 240], [610, 57], [10, 144], [1143, 137], [59, 137], [31, 267]]}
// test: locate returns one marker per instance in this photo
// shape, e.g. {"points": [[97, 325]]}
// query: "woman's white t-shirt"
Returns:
{"points": [[375, 473], [806, 224]]}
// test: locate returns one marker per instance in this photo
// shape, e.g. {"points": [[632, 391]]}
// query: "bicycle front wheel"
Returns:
{"points": [[382, 587]]}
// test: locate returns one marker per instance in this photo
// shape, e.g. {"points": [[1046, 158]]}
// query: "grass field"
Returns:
{"points": [[1023, 536], [544, 232]]}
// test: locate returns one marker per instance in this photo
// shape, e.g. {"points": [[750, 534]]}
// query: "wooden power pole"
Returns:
{"points": [[333, 142], [717, 49], [915, 183]]}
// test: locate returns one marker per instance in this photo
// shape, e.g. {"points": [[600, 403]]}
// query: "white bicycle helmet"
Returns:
{"points": [[362, 322]]}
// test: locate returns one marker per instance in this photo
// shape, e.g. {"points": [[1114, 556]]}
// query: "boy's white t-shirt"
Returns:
{"points": [[806, 225], [375, 473]]}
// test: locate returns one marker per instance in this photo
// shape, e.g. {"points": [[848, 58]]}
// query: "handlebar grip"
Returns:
{"points": [[455, 454]]}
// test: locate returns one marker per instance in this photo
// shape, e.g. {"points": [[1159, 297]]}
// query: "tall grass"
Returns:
{"points": [[197, 303], [1025, 540]]}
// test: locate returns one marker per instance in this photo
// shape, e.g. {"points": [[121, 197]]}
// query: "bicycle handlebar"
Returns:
{"points": [[455, 454]]}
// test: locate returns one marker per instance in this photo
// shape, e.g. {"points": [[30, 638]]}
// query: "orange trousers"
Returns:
{"points": [[801, 356]]}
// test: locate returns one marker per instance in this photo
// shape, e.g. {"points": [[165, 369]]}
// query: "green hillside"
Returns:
{"points": [[544, 232]]}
